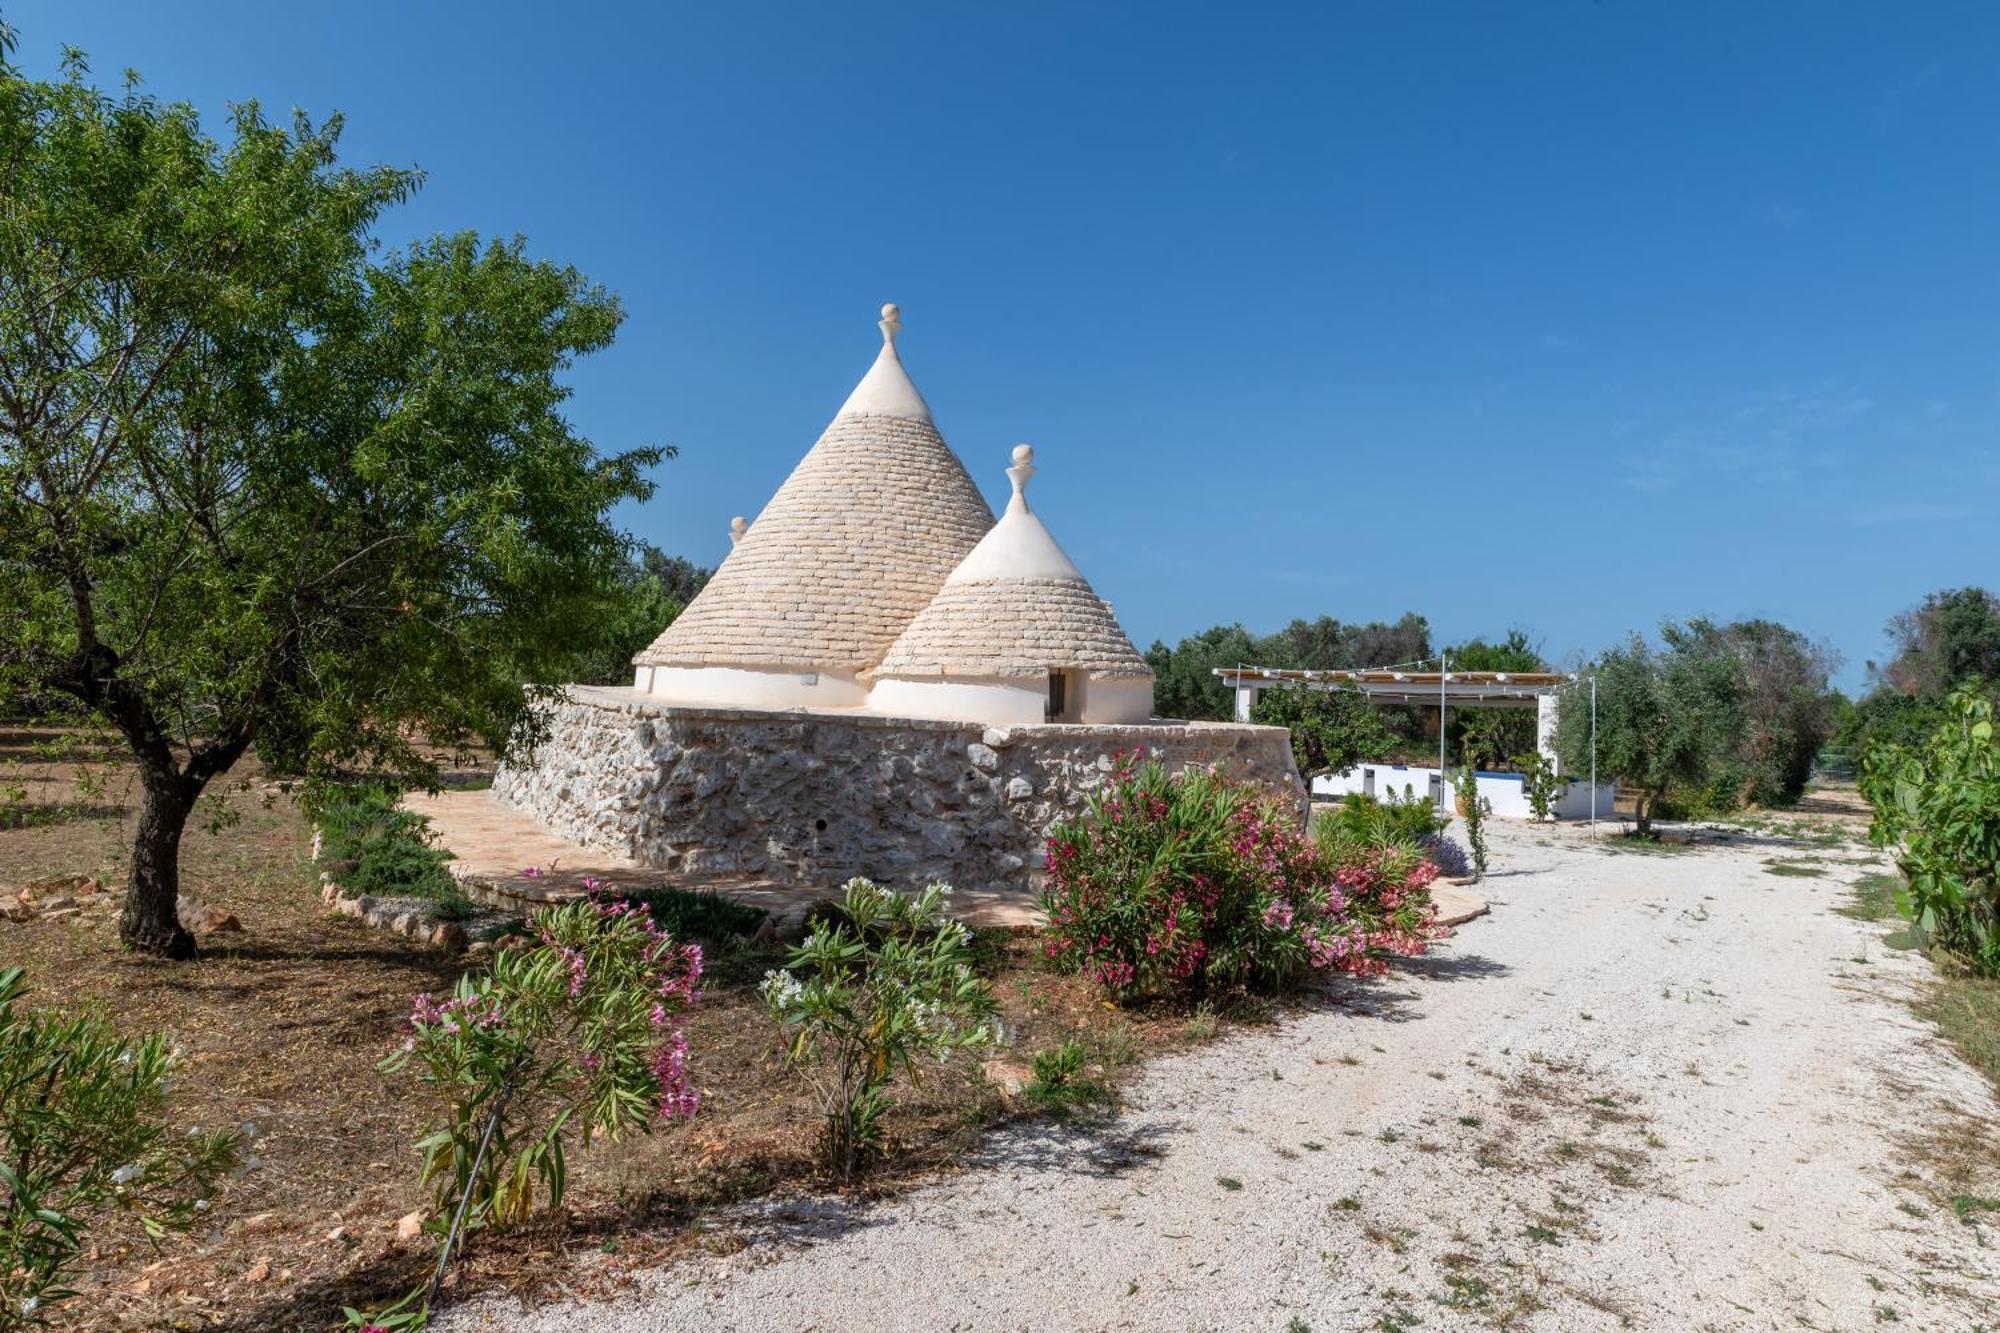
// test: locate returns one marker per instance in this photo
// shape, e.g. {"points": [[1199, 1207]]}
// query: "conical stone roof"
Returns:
{"points": [[854, 544], [1016, 606]]}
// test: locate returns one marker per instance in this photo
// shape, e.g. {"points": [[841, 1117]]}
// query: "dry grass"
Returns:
{"points": [[1966, 1010]]}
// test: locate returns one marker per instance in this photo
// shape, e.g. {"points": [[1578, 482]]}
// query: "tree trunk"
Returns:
{"points": [[151, 920]]}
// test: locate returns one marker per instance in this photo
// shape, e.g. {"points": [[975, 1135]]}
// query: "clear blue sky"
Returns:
{"points": [[1563, 316]]}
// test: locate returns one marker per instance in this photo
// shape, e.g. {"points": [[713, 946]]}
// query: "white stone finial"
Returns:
{"points": [[1024, 468], [737, 527], [892, 321]]}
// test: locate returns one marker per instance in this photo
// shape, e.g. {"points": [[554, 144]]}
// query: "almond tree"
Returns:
{"points": [[261, 484]]}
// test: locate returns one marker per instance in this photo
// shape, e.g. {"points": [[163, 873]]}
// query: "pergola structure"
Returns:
{"points": [[1425, 689], [1442, 689]]}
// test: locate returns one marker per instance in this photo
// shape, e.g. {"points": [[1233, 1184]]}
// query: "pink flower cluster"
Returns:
{"points": [[1193, 880], [679, 1099], [462, 1013]]}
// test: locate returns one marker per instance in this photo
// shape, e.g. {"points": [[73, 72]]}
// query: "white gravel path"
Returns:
{"points": [[1648, 1091]]}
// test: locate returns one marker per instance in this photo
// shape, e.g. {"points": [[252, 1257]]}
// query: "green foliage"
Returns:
{"points": [[568, 1039], [84, 1138], [653, 589], [1184, 683], [1473, 808], [1716, 716], [1666, 722], [706, 916], [1332, 730], [1363, 819], [1542, 785], [882, 984], [1486, 737], [388, 851], [1060, 1083], [1786, 711], [1938, 804], [263, 481], [1952, 637]]}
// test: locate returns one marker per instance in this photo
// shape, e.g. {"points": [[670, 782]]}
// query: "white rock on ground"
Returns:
{"points": [[1648, 1091]]}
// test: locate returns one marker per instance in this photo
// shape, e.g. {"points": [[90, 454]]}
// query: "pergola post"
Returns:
{"points": [[1545, 730]]}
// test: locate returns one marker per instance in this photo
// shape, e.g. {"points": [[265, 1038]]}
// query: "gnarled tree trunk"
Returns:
{"points": [[151, 922]]}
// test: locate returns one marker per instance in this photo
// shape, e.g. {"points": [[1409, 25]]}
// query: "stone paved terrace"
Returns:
{"points": [[494, 844]]}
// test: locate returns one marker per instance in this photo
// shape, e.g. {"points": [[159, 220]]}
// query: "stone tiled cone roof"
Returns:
{"points": [[1013, 627], [854, 544]]}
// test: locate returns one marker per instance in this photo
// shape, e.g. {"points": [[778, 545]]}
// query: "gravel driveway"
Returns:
{"points": [[1649, 1091]]}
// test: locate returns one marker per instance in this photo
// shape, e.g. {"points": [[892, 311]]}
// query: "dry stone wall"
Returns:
{"points": [[824, 796]]}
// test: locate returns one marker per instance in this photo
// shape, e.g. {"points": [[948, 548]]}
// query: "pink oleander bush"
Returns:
{"points": [[1194, 883], [570, 1039]]}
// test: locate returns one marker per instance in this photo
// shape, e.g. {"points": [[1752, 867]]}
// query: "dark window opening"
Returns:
{"points": [[1058, 695]]}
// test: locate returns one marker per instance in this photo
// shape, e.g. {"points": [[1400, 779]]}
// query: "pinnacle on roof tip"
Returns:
{"points": [[886, 390]]}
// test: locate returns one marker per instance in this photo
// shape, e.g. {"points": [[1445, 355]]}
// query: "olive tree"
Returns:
{"points": [[1666, 720], [263, 484]]}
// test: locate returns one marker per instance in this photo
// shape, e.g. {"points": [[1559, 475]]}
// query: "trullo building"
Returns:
{"points": [[879, 679], [876, 577]]}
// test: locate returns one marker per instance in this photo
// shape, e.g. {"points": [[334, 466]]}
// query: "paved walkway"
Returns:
{"points": [[1664, 1092]]}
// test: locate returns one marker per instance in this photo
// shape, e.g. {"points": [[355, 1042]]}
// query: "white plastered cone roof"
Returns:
{"points": [[852, 547], [1015, 606]]}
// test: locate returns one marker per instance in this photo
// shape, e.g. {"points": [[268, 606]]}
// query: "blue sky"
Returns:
{"points": [[1570, 317]]}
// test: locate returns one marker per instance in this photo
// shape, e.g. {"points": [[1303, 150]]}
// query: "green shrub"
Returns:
{"points": [[1473, 809], [686, 915], [883, 983], [84, 1137], [1540, 783], [1365, 819], [1060, 1083], [390, 851], [1938, 804]]}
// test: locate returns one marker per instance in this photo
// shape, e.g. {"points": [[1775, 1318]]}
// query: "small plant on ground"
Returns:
{"points": [[85, 1140], [1192, 883], [1365, 819], [1447, 855], [378, 848], [1474, 808], [1060, 1083], [883, 983], [1541, 784], [688, 915], [572, 1038]]}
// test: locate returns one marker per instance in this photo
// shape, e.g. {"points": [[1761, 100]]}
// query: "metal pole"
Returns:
{"points": [[1593, 759]]}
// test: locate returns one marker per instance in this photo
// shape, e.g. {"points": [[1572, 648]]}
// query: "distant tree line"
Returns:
{"points": [[652, 589], [1949, 641]]}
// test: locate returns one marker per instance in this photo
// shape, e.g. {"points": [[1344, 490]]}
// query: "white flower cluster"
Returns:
{"points": [[781, 990]]}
